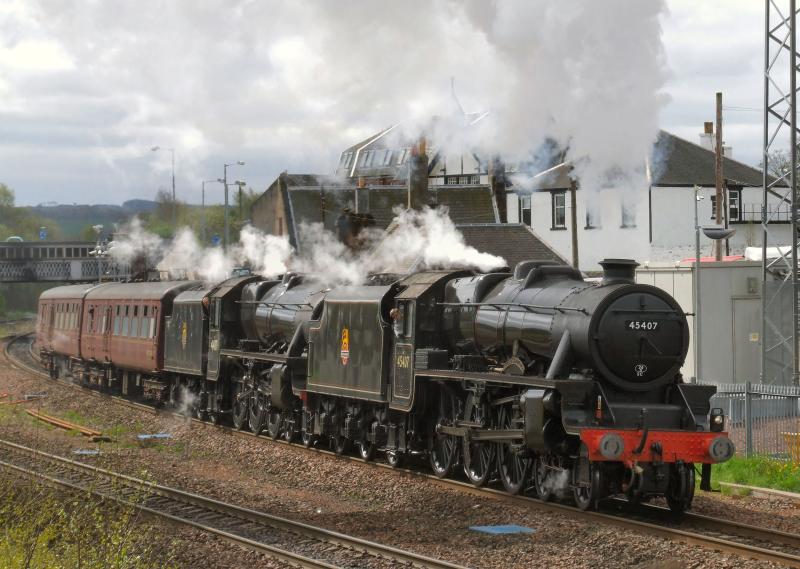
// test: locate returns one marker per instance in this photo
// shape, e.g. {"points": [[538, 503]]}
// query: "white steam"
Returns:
{"points": [[585, 73], [185, 257], [427, 239], [414, 240]]}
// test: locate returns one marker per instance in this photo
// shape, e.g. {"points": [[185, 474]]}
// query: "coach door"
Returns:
{"points": [[403, 365], [214, 339], [105, 330]]}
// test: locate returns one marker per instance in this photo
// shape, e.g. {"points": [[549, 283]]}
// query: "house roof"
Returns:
{"points": [[675, 162], [678, 162], [323, 204], [514, 242]]}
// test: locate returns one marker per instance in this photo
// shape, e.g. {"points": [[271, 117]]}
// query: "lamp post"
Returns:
{"points": [[98, 252], [203, 209], [697, 357], [225, 182], [174, 203], [240, 184]]}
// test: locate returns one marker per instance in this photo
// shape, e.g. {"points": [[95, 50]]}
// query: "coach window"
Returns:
{"points": [[126, 321], [90, 320], [154, 322], [117, 321], [134, 332], [145, 330]]}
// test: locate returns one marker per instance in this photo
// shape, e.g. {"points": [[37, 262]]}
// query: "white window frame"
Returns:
{"points": [[558, 202]]}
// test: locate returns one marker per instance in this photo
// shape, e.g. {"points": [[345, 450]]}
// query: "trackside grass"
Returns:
{"points": [[44, 529], [758, 471]]}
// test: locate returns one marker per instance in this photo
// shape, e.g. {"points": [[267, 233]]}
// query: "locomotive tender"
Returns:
{"points": [[550, 383]]}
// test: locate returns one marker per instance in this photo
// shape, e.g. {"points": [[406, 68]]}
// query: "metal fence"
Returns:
{"points": [[762, 419]]}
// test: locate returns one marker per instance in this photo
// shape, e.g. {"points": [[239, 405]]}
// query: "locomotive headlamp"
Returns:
{"points": [[717, 420]]}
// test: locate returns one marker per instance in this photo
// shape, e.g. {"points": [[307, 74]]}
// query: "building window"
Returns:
{"points": [[559, 210], [525, 209], [734, 205], [387, 157], [451, 180], [628, 215], [402, 155]]}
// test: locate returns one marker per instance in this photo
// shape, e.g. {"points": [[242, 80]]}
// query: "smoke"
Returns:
{"points": [[185, 257], [586, 74], [186, 401], [557, 482], [427, 239], [414, 240]]}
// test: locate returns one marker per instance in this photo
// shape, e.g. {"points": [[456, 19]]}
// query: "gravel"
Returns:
{"points": [[353, 498]]}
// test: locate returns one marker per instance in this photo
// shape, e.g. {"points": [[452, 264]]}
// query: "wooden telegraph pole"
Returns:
{"points": [[720, 195]]}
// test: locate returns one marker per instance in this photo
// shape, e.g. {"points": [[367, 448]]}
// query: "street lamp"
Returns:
{"points": [[203, 209], [174, 203], [225, 181]]}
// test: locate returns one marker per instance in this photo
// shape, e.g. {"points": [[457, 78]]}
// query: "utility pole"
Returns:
{"points": [[574, 221], [720, 195]]}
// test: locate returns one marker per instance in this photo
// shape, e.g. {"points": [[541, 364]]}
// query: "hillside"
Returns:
{"points": [[76, 218]]}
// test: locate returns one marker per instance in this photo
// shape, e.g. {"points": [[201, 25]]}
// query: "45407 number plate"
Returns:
{"points": [[642, 325]]}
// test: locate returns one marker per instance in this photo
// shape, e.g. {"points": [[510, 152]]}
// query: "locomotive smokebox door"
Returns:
{"points": [[403, 361]]}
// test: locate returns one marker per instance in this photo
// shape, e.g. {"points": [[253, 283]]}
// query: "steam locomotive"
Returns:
{"points": [[548, 382]]}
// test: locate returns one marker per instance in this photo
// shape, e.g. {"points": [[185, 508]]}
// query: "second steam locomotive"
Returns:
{"points": [[543, 380]]}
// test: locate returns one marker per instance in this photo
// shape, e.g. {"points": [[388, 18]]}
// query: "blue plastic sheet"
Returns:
{"points": [[499, 530]]}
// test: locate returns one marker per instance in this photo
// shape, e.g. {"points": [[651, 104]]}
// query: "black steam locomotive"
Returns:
{"points": [[538, 378]]}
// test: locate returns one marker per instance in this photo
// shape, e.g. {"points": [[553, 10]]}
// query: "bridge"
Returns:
{"points": [[47, 261]]}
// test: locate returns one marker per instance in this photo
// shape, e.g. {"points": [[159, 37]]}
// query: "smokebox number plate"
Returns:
{"points": [[642, 325]]}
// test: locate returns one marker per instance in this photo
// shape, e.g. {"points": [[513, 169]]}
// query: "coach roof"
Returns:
{"points": [[139, 291], [67, 292]]}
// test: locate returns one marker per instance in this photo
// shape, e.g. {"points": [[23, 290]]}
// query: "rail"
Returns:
{"points": [[694, 529], [273, 535]]}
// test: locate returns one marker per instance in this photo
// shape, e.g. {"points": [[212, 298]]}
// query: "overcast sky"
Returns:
{"points": [[87, 87]]}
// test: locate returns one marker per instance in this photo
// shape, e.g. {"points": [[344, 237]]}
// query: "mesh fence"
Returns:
{"points": [[762, 419]]}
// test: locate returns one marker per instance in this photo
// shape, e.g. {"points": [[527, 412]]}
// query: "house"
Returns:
{"points": [[386, 172], [654, 223]]}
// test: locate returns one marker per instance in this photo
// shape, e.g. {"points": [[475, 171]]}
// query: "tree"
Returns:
{"points": [[22, 221], [778, 163], [6, 197]]}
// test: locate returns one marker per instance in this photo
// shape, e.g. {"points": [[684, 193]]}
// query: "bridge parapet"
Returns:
{"points": [[68, 261]]}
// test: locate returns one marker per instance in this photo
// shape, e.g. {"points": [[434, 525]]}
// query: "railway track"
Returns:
{"points": [[293, 542], [694, 529]]}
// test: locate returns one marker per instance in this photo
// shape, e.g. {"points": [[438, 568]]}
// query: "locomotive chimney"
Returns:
{"points": [[497, 182], [619, 271], [418, 175]]}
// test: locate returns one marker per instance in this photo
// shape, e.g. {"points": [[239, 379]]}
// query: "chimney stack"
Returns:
{"points": [[418, 175], [498, 184], [707, 136]]}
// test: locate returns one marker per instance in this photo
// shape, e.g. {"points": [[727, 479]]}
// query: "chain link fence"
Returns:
{"points": [[762, 419]]}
